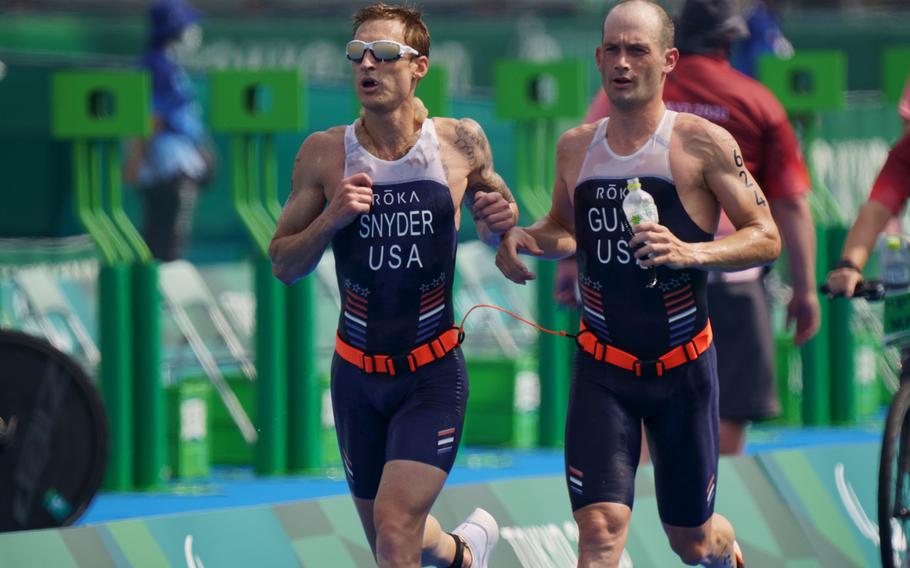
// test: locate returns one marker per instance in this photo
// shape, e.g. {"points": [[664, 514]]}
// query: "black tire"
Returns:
{"points": [[53, 463], [894, 475]]}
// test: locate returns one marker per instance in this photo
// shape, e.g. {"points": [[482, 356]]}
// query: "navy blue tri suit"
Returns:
{"points": [[608, 403], [395, 269]]}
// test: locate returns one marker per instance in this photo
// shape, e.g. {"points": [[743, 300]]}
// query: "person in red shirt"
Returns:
{"points": [[889, 193], [704, 83]]}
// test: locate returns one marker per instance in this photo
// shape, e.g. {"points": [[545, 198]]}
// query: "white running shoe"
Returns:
{"points": [[481, 533]]}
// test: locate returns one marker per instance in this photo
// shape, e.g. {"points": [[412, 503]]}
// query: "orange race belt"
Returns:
{"points": [[675, 357], [393, 364]]}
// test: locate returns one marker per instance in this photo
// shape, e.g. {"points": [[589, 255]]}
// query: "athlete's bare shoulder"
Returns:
{"points": [[463, 137], [320, 159], [701, 138], [445, 127], [329, 140], [577, 138]]}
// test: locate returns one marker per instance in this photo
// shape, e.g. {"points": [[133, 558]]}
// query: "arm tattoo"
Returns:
{"points": [[468, 141], [748, 183], [493, 182]]}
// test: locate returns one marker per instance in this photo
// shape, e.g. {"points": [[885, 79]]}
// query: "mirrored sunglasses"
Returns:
{"points": [[382, 50]]}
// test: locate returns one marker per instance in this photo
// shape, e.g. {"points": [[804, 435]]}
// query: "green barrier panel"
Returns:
{"points": [[255, 102], [554, 360], [149, 406], [304, 386], [433, 90], [810, 81], [491, 418], [252, 106], [840, 343], [533, 91], [896, 72], [535, 95], [227, 444], [189, 446], [116, 366], [100, 104], [816, 363], [869, 380], [807, 509], [149, 403], [788, 376], [94, 109]]}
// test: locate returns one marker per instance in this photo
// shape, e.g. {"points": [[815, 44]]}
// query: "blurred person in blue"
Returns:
{"points": [[169, 168], [765, 37]]}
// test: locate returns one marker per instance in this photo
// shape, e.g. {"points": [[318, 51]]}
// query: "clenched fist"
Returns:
{"points": [[494, 211], [352, 197]]}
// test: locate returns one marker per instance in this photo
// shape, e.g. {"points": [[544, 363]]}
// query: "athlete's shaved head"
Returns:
{"points": [[664, 29]]}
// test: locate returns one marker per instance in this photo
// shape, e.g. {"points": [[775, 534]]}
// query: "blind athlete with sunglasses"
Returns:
{"points": [[387, 192]]}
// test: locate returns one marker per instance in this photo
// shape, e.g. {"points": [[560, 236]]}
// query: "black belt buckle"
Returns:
{"points": [[654, 368], [400, 363]]}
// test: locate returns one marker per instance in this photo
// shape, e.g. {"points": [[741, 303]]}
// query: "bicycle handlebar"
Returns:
{"points": [[872, 290]]}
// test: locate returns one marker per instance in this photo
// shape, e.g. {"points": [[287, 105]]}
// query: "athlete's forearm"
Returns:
{"points": [[555, 240], [869, 223], [794, 219], [296, 255], [752, 245]]}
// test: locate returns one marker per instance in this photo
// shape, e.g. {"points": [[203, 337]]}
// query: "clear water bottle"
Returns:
{"points": [[895, 262], [639, 207], [638, 204]]}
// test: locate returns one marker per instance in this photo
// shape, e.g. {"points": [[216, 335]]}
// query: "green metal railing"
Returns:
{"points": [[806, 84], [536, 96], [251, 107], [95, 109]]}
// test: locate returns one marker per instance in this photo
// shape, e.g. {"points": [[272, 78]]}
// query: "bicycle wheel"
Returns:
{"points": [[53, 448], [894, 482]]}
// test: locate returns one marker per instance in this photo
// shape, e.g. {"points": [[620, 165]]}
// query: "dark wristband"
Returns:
{"points": [[846, 263]]}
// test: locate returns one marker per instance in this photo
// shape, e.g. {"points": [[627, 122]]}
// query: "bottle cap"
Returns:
{"points": [[633, 184], [893, 242]]}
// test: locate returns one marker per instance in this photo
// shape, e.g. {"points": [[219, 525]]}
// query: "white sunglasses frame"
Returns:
{"points": [[368, 45]]}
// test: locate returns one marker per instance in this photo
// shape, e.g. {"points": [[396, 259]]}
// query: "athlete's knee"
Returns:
{"points": [[602, 527], [398, 539], [692, 549]]}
